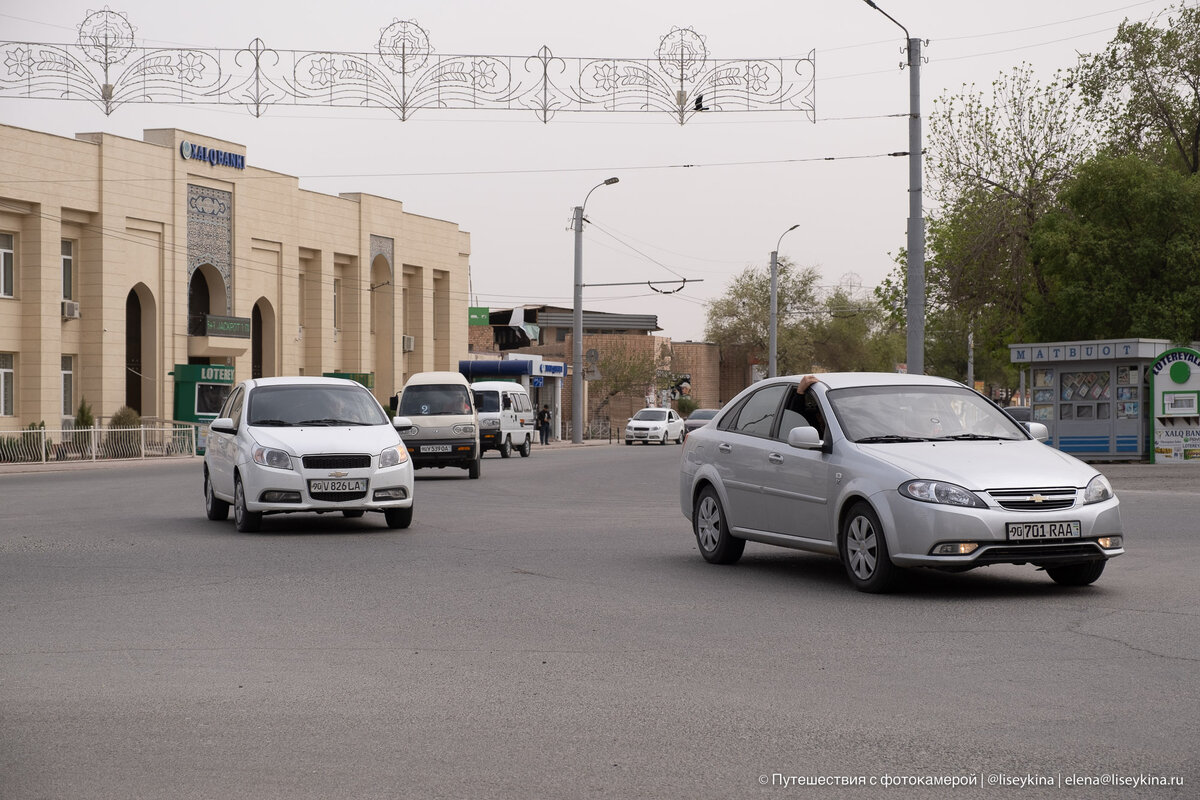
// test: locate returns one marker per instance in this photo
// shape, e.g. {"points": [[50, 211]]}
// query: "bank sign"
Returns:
{"points": [[214, 157]]}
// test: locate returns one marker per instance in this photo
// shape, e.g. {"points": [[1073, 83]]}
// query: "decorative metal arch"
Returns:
{"points": [[403, 75]]}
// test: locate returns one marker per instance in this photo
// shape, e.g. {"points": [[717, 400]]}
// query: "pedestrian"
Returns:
{"points": [[543, 424]]}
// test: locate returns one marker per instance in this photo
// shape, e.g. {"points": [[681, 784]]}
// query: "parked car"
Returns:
{"points": [[1020, 413], [698, 418], [654, 425], [285, 445], [889, 471]]}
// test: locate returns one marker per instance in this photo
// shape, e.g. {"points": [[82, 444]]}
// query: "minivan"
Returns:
{"points": [[445, 427], [506, 418]]}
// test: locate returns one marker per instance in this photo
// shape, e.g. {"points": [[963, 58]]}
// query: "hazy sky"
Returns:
{"points": [[512, 181]]}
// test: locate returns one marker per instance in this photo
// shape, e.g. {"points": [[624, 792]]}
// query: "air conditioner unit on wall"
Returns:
{"points": [[70, 309], [408, 344]]}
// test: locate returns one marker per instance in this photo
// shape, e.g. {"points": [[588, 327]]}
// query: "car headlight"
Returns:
{"points": [[489, 423], [464, 429], [1098, 489], [411, 431], [393, 456], [939, 492], [270, 457]]}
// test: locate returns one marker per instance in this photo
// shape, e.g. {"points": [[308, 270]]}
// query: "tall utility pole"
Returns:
{"points": [[577, 327], [773, 329], [914, 305]]}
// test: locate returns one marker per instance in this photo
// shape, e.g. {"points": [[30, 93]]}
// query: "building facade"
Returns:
{"points": [[121, 259]]}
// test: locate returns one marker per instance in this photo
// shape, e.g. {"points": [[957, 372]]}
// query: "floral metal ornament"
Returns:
{"points": [[403, 75]]}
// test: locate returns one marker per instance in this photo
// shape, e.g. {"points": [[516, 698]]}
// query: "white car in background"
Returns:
{"points": [[654, 425], [286, 445]]}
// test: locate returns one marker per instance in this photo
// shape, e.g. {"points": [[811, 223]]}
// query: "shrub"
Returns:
{"points": [[123, 441]]}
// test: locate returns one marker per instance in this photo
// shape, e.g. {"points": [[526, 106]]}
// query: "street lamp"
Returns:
{"points": [[914, 303], [577, 330], [771, 372]]}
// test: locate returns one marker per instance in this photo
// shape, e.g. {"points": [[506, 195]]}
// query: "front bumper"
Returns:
{"points": [[915, 528], [278, 491], [442, 452]]}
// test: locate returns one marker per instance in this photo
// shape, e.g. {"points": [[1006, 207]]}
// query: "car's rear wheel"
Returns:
{"points": [[398, 517], [216, 508], [716, 543], [864, 551], [1076, 574], [506, 448], [353, 513], [473, 469], [246, 521], [526, 447]]}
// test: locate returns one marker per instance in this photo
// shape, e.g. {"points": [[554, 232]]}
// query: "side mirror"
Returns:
{"points": [[1038, 431], [804, 437], [223, 425], [400, 423]]}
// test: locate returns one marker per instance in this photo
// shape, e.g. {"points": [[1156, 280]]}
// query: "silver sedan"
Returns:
{"points": [[889, 471]]}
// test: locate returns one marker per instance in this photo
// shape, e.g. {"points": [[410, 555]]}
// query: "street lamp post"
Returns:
{"points": [[577, 328], [774, 326], [914, 304]]}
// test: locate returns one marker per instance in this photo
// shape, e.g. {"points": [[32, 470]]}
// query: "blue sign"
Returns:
{"points": [[215, 158], [536, 381]]}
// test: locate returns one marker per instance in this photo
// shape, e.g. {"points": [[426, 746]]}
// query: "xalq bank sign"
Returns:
{"points": [[215, 158]]}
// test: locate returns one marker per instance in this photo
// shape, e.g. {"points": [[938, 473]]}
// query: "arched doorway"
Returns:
{"points": [[141, 351], [206, 295], [383, 329], [263, 351]]}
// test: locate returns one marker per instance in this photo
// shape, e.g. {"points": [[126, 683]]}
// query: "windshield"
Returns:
{"points": [[435, 400], [312, 404], [651, 415], [487, 401], [919, 413]]}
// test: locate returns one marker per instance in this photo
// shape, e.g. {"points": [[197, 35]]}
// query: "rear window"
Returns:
{"points": [[434, 400]]}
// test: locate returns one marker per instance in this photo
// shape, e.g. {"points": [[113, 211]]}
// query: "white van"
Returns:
{"points": [[506, 417], [445, 428]]}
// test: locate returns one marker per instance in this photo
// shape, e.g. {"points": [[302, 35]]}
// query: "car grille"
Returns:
{"points": [[337, 497], [337, 462], [1034, 499], [1040, 553]]}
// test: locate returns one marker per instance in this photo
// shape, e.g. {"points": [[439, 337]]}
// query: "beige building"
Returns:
{"points": [[120, 259]]}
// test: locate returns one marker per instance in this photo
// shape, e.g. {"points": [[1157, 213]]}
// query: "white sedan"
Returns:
{"points": [[283, 445], [654, 425]]}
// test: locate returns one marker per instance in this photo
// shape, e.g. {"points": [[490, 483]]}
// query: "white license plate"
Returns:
{"points": [[351, 485], [435, 448], [1034, 531]]}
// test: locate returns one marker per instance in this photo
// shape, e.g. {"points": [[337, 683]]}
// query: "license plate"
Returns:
{"points": [[1033, 531], [435, 448], [351, 485]]}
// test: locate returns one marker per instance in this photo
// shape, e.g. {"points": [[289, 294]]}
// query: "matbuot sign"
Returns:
{"points": [[215, 158]]}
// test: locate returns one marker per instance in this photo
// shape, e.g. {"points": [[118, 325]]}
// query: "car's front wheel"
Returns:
{"points": [[864, 551], [398, 517], [1076, 574], [716, 543], [216, 508], [506, 448], [664, 439], [473, 469], [246, 521]]}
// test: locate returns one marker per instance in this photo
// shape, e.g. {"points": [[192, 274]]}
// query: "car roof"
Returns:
{"points": [[499, 386], [846, 380], [301, 380], [437, 377]]}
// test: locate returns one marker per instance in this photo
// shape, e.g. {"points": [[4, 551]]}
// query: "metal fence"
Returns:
{"points": [[41, 445]]}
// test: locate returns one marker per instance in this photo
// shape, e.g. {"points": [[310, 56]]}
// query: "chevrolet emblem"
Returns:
{"points": [[1039, 498], [338, 474]]}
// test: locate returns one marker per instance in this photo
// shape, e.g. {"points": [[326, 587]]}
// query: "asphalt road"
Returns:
{"points": [[550, 631]]}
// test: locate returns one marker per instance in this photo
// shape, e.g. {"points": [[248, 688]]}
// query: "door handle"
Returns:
{"points": [[724, 448], [775, 458]]}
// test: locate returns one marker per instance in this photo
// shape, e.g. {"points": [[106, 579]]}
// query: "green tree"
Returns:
{"points": [[1143, 90], [742, 315], [626, 368], [854, 333], [1122, 257]]}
